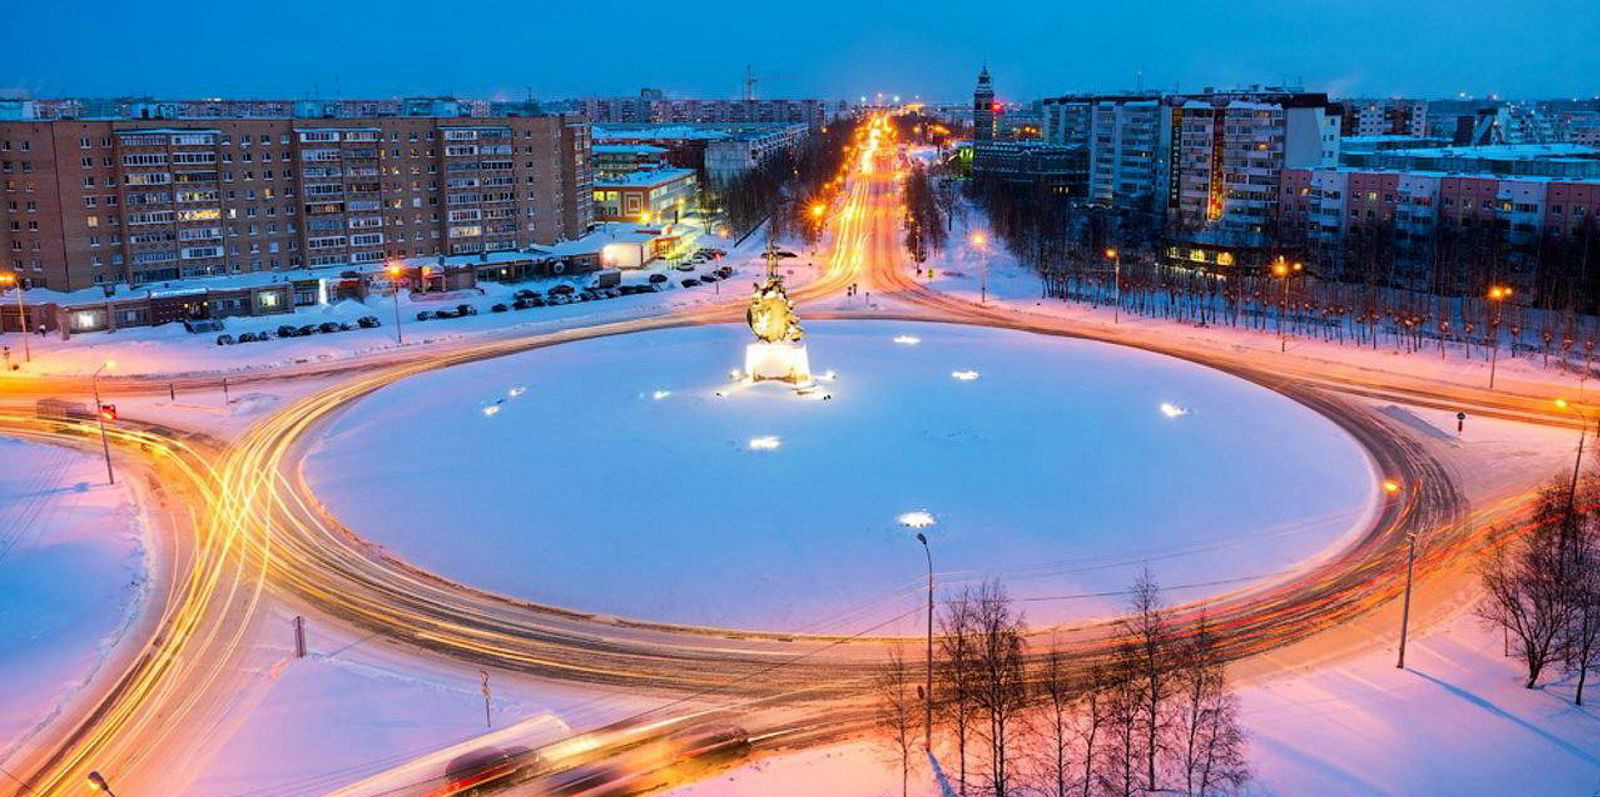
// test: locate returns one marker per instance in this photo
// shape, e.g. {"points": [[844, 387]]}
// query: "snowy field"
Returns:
{"points": [[607, 475], [71, 580]]}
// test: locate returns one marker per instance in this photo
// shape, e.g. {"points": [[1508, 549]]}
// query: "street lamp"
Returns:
{"points": [[100, 417], [1393, 488], [1116, 281], [395, 272], [1497, 294], [1577, 462], [15, 281], [98, 782], [928, 727], [979, 239], [1283, 269]]}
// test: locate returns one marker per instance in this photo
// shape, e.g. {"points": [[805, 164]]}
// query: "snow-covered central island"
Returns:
{"points": [[627, 475]]}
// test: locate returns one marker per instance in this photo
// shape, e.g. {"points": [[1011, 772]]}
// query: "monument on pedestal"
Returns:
{"points": [[778, 353]]}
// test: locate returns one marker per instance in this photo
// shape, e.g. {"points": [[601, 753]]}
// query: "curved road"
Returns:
{"points": [[252, 525]]}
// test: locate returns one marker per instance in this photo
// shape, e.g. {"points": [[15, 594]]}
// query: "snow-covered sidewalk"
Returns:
{"points": [[72, 580]]}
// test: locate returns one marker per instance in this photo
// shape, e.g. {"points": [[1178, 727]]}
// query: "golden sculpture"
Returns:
{"points": [[771, 314]]}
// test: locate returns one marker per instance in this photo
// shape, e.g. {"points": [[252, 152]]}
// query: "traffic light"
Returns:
{"points": [[108, 412]]}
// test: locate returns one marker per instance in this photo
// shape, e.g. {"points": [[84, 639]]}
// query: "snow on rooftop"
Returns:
{"points": [[651, 177], [663, 132]]}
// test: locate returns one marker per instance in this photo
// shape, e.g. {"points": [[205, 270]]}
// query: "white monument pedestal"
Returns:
{"points": [[782, 361]]}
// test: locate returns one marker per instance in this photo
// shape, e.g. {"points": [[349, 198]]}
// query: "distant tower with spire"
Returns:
{"points": [[983, 110]]}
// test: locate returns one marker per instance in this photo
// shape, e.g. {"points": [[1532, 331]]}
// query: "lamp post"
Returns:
{"points": [[98, 782], [1283, 269], [979, 240], [1393, 488], [1497, 294], [928, 726], [15, 281], [1116, 283], [1577, 462], [100, 418], [395, 272]]}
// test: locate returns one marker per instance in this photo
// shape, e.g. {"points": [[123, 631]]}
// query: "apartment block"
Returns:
{"points": [[1382, 117], [1222, 154], [651, 107], [91, 202]]}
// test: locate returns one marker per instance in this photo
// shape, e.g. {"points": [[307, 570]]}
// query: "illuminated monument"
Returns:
{"points": [[778, 354]]}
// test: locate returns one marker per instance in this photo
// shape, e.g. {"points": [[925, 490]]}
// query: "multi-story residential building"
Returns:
{"points": [[1057, 170], [613, 160], [133, 200], [652, 107], [721, 151], [1120, 132], [1382, 117], [1516, 193], [1221, 155]]}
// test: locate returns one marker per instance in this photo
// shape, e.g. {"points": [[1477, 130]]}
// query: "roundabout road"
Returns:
{"points": [[249, 525]]}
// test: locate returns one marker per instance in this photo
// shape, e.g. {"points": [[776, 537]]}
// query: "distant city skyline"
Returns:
{"points": [[833, 50]]}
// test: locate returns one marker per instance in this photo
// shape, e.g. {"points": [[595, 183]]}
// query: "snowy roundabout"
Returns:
{"points": [[628, 476]]}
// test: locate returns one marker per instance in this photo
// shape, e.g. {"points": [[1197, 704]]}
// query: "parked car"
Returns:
{"points": [[690, 282], [520, 304], [684, 267], [224, 340], [658, 278], [286, 331], [562, 288], [525, 293], [784, 253], [498, 308], [329, 326], [465, 309], [368, 322], [612, 293], [308, 329], [424, 315], [712, 277], [536, 301]]}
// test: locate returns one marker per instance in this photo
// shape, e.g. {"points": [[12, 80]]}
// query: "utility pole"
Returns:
{"points": [[1405, 611], [928, 725], [487, 722], [100, 418]]}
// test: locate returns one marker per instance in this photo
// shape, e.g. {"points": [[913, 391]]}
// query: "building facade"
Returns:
{"points": [[651, 107], [661, 196], [1382, 117], [91, 202]]}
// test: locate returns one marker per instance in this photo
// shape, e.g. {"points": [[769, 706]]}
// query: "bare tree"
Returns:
{"points": [[1151, 635], [1580, 643], [897, 711], [1094, 704], [1527, 585], [1117, 772], [1054, 724], [956, 671], [1000, 686], [1211, 743]]}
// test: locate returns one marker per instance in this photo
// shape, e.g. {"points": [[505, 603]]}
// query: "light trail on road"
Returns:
{"points": [[255, 527]]}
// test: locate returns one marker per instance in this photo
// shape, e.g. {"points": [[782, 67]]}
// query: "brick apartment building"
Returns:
{"points": [[89, 202]]}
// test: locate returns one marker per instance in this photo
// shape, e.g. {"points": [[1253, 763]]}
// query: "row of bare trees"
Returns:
{"points": [[780, 185], [1543, 586], [925, 226], [1155, 714]]}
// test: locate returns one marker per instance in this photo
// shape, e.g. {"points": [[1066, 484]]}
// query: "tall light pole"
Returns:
{"points": [[979, 240], [1577, 462], [928, 726], [1283, 269], [98, 782], [15, 281], [1116, 283], [1393, 488], [100, 417], [1497, 294], [395, 272]]}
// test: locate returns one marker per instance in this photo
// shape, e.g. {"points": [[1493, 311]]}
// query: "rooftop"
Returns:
{"points": [[651, 177]]}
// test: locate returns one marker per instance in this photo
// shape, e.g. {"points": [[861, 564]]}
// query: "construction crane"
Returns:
{"points": [[751, 79]]}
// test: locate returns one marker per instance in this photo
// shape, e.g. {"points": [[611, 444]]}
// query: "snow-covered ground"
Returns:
{"points": [[359, 706], [72, 578], [169, 349], [610, 477]]}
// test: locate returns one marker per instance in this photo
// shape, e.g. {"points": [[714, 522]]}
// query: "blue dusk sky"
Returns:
{"points": [[814, 48]]}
